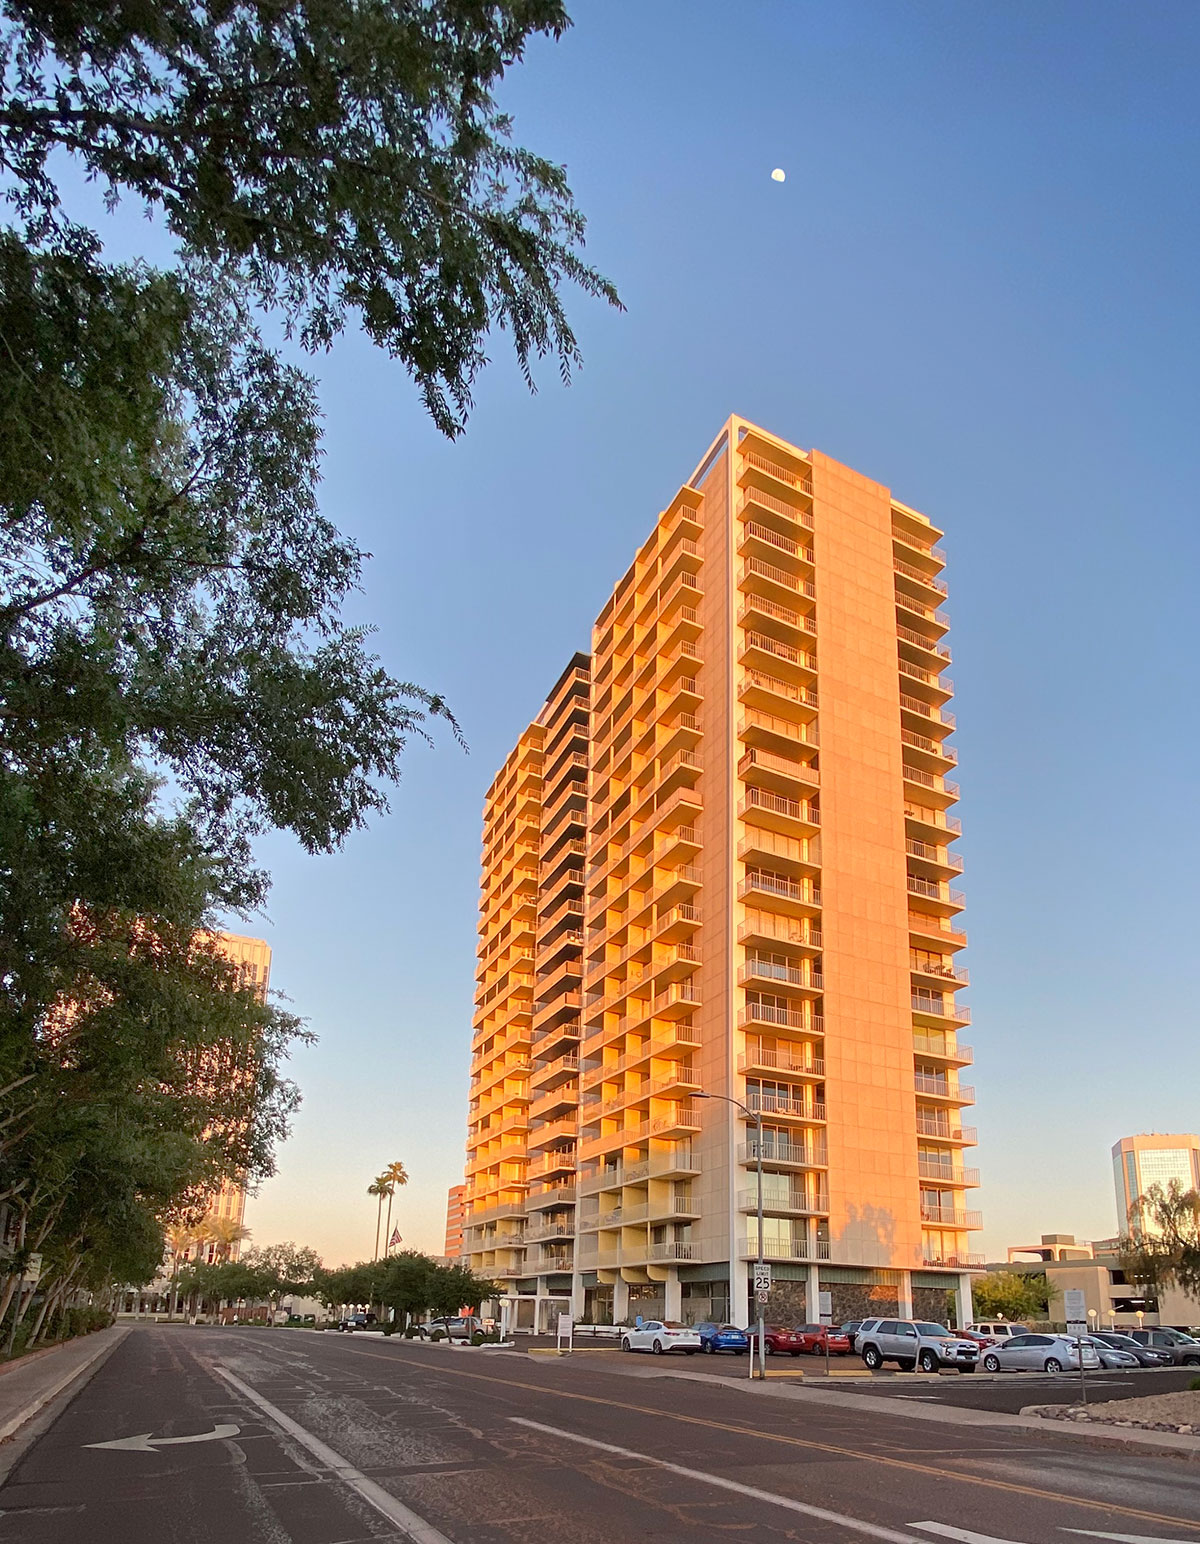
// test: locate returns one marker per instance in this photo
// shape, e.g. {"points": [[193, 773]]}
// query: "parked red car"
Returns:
{"points": [[777, 1339], [813, 1338]]}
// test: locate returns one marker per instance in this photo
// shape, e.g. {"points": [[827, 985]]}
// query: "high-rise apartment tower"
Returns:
{"points": [[763, 930]]}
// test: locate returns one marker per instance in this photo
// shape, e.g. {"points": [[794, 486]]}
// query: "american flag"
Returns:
{"points": [[395, 1238]]}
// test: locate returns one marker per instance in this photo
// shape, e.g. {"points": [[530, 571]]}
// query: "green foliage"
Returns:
{"points": [[333, 157], [1013, 1294], [1163, 1246], [176, 676], [409, 1283]]}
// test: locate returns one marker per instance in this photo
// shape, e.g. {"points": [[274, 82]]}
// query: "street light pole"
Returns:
{"points": [[756, 1117]]}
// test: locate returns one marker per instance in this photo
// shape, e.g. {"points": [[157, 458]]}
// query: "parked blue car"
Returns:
{"points": [[723, 1337]]}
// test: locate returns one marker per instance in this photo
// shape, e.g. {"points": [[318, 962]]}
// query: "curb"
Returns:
{"points": [[39, 1401]]}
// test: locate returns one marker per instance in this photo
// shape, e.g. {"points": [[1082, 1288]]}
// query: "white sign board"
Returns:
{"points": [[566, 1332], [825, 1307], [763, 1295], [1075, 1310], [762, 1278]]}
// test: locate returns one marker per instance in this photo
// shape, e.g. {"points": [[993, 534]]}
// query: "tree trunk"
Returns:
{"points": [[387, 1232]]}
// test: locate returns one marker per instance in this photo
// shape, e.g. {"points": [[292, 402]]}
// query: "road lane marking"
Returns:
{"points": [[148, 1444], [1125, 1538], [1109, 1508], [855, 1524], [962, 1535], [382, 1500]]}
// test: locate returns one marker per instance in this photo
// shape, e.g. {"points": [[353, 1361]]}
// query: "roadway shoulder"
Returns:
{"points": [[26, 1387]]}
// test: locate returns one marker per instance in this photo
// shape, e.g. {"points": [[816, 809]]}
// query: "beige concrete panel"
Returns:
{"points": [[873, 1178]]}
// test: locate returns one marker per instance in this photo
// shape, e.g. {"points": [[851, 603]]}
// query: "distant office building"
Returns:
{"points": [[1142, 1161], [454, 1222], [1053, 1246]]}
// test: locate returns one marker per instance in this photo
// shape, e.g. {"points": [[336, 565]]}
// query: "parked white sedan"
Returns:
{"points": [[661, 1335], [1039, 1353]]}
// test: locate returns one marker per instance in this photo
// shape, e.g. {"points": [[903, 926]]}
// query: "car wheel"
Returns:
{"points": [[709, 1347], [991, 1363], [1053, 1364], [968, 1367], [768, 1349], [1191, 1361], [689, 1350], [625, 1344], [929, 1362], [657, 1348], [872, 1358], [906, 1364], [795, 1353]]}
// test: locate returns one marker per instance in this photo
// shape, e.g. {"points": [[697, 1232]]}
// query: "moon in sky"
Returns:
{"points": [[778, 175]]}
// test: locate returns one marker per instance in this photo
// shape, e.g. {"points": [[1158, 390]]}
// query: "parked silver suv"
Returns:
{"points": [[914, 1343]]}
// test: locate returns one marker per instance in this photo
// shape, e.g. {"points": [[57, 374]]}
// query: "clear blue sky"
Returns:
{"points": [[977, 285]]}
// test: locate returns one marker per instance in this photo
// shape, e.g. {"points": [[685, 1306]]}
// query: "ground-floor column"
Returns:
{"points": [[812, 1295], [577, 1298], [673, 1295], [964, 1302], [620, 1300], [904, 1293]]}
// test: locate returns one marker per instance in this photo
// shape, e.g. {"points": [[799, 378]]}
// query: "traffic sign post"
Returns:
{"points": [[825, 1315], [1075, 1313]]}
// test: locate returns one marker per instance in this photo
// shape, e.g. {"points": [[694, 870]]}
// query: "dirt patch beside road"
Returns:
{"points": [[1155, 1412]]}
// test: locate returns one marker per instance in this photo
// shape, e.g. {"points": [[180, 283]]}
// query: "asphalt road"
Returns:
{"points": [[342, 1439]]}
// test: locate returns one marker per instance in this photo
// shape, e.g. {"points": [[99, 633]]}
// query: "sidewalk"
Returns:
{"points": [[30, 1383]]}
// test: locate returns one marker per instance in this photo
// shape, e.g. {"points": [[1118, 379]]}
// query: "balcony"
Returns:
{"points": [[968, 1179], [778, 621], [799, 1018], [760, 649], [955, 975], [935, 1046], [931, 1087], [767, 927], [929, 713], [927, 646], [762, 689], [765, 769], [940, 1008], [794, 896], [677, 922], [795, 1205], [563, 1130], [759, 576], [675, 1250], [777, 812], [563, 1230], [550, 1074], [950, 1217], [558, 1161], [919, 576], [939, 898], [785, 1249], [793, 1065], [954, 1260], [802, 481], [649, 1088], [924, 751], [940, 859], [785, 1155], [803, 976], [678, 1000], [945, 1130], [544, 1198], [812, 1110]]}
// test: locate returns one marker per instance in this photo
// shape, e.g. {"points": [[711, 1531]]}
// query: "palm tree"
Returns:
{"points": [[179, 1240], [396, 1174], [380, 1186], [225, 1233]]}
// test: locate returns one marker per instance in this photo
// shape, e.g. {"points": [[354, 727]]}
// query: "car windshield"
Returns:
{"points": [[934, 1329], [673, 1324]]}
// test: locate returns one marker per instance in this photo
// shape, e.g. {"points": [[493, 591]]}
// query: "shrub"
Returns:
{"points": [[390, 1327], [1194, 1385], [438, 1335], [411, 1332]]}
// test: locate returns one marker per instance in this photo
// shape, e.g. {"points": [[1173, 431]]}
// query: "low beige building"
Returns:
{"points": [[1113, 1301]]}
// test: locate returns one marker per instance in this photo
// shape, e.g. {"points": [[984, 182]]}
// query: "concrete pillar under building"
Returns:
{"points": [[673, 1296], [904, 1293], [963, 1300], [620, 1300], [812, 1295]]}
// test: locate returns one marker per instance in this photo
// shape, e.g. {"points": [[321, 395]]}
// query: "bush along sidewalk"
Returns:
{"points": [[68, 1324]]}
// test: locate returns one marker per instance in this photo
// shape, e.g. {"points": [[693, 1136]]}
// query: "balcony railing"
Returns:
{"points": [[945, 1131], [774, 469], [671, 1251], [777, 687], [945, 1175], [789, 1018], [932, 854], [922, 742], [950, 1217], [935, 1045], [758, 883], [779, 804], [780, 1061], [777, 505], [780, 1104], [806, 1154], [765, 761], [963, 1261], [818, 1202], [770, 970], [940, 1088], [786, 1249], [910, 571], [943, 1009], [932, 890], [921, 642]]}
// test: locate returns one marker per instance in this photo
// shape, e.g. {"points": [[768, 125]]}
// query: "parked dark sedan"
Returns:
{"points": [[816, 1338], [1148, 1356], [851, 1328], [779, 1340], [723, 1337]]}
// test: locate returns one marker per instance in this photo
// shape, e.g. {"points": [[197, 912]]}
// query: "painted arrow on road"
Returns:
{"points": [[147, 1444]]}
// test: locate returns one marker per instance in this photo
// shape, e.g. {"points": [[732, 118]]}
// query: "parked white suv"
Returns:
{"points": [[914, 1343], [1000, 1331]]}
